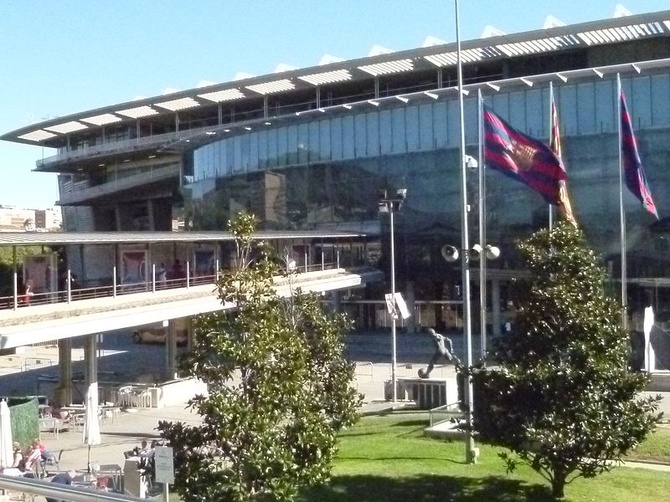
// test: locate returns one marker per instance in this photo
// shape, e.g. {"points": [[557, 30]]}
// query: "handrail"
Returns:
{"points": [[445, 409], [151, 285], [58, 491]]}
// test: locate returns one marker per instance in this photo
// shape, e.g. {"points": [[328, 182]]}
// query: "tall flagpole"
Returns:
{"points": [[551, 135], [470, 452], [622, 214], [482, 226]]}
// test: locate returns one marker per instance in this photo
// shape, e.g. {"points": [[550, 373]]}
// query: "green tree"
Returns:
{"points": [[279, 388], [563, 398]]}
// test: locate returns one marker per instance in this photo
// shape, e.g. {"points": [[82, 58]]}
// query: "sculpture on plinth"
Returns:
{"points": [[443, 349]]}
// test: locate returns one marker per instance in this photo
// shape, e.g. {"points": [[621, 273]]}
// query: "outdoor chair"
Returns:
{"points": [[50, 464]]}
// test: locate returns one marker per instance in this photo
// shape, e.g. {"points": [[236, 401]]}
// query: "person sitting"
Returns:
{"points": [[142, 450], [31, 461], [18, 455], [63, 478]]}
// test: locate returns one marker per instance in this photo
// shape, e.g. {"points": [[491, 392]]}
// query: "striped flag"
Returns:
{"points": [[522, 158], [636, 180], [564, 205]]}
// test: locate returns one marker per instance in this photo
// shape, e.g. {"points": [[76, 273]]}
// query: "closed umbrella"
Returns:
{"points": [[6, 448], [91, 433], [648, 324]]}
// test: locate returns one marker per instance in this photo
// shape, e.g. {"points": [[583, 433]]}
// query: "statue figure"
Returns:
{"points": [[443, 348]]}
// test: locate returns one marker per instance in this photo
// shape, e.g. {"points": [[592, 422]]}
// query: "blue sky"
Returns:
{"points": [[65, 56]]}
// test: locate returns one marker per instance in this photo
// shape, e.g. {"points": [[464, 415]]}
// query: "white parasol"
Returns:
{"points": [[6, 448], [648, 324], [91, 433]]}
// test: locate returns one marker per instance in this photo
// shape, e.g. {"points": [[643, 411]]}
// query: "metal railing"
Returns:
{"points": [[152, 285], [16, 484], [446, 412]]}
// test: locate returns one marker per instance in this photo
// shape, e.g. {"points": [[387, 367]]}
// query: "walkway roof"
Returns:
{"points": [[62, 238]]}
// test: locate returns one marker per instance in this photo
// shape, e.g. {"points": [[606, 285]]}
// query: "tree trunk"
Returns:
{"points": [[558, 483]]}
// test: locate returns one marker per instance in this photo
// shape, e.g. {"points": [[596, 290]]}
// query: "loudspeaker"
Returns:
{"points": [[449, 253]]}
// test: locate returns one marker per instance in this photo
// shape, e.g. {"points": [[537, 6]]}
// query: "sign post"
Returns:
{"points": [[164, 461]]}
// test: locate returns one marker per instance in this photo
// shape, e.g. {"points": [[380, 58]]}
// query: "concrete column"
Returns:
{"points": [[171, 349], [191, 332], [335, 298], [63, 392], [495, 306]]}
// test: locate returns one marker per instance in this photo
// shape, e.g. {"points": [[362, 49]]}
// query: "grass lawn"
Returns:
{"points": [[387, 459], [655, 449]]}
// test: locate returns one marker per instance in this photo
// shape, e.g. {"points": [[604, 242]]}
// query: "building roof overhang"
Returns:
{"points": [[54, 132]]}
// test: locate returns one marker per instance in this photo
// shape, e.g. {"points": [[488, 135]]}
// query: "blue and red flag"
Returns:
{"points": [[522, 158], [636, 181]]}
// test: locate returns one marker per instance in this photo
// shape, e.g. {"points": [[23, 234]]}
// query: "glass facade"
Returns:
{"points": [[328, 169]]}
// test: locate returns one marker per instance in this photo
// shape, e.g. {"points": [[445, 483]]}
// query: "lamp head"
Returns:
{"points": [[492, 252], [475, 252], [449, 253]]}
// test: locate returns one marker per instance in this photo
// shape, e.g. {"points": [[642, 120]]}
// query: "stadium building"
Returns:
{"points": [[311, 149]]}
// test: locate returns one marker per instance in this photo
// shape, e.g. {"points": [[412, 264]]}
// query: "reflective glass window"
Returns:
{"points": [[325, 139], [426, 123], [348, 137], [471, 119], [451, 126], [216, 161], [303, 143], [237, 154], [336, 139], [605, 106], [586, 123], [660, 97], [441, 127], [253, 152], [282, 142], [568, 95], [517, 111], [360, 135], [313, 144], [228, 155], [399, 130], [245, 142], [262, 149], [272, 148], [292, 144], [641, 99], [412, 128], [537, 112], [385, 136]]}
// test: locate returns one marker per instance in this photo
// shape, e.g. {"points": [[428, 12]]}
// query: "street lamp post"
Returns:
{"points": [[390, 205]]}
